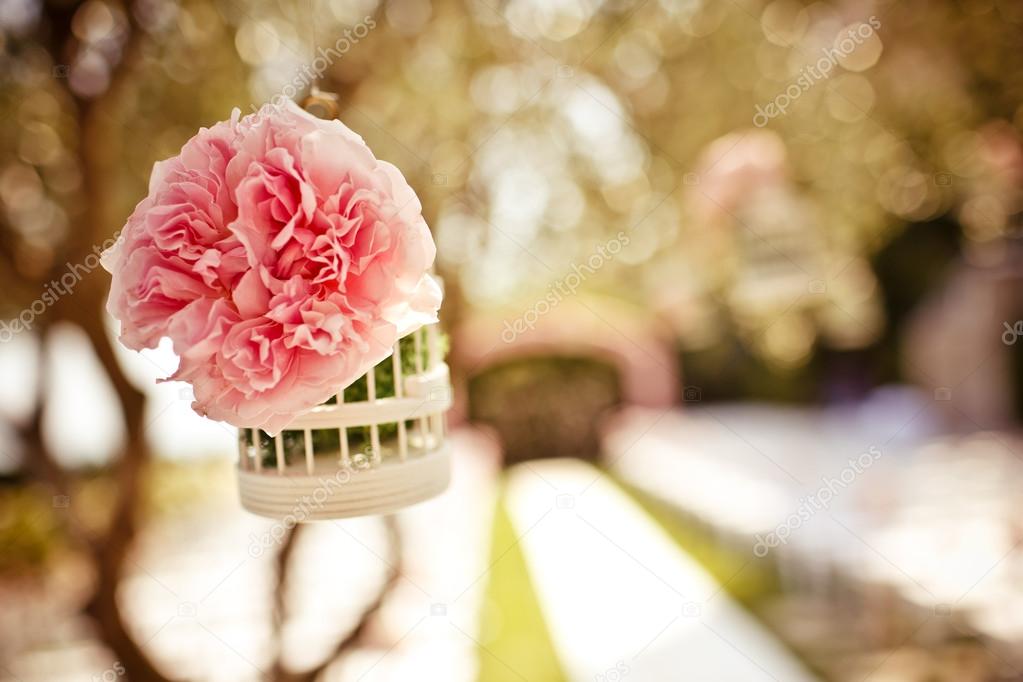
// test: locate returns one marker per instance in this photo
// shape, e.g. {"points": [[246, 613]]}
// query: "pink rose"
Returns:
{"points": [[281, 258], [162, 256]]}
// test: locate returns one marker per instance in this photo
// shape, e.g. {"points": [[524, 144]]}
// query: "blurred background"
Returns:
{"points": [[734, 300]]}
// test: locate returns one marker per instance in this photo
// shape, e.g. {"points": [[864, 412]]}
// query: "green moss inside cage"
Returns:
{"points": [[328, 441]]}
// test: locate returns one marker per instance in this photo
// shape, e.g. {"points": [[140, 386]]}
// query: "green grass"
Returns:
{"points": [[749, 580], [514, 640]]}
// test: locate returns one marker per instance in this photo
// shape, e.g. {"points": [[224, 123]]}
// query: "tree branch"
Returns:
{"points": [[280, 609], [111, 552], [353, 638], [38, 458]]}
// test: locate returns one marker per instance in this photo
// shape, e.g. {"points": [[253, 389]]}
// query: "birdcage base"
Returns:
{"points": [[331, 492]]}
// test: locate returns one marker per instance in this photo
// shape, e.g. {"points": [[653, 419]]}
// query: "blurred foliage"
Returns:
{"points": [[32, 521], [173, 486], [545, 407], [535, 131], [30, 535]]}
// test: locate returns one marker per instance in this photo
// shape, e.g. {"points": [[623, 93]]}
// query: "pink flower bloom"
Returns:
{"points": [[281, 258]]}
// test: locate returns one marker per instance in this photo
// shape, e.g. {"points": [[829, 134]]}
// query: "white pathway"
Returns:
{"points": [[870, 491], [621, 600]]}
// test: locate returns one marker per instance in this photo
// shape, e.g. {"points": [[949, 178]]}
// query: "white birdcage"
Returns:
{"points": [[375, 452]]}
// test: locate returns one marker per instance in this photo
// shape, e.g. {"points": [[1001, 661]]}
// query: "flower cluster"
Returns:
{"points": [[282, 259]]}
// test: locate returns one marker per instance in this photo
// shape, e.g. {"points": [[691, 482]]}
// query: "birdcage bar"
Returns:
{"points": [[374, 429], [399, 392], [257, 455], [279, 451], [417, 340], [432, 347], [437, 426], [433, 354], [308, 442], [343, 436], [243, 450]]}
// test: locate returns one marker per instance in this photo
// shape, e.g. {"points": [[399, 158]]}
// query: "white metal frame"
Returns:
{"points": [[415, 468]]}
